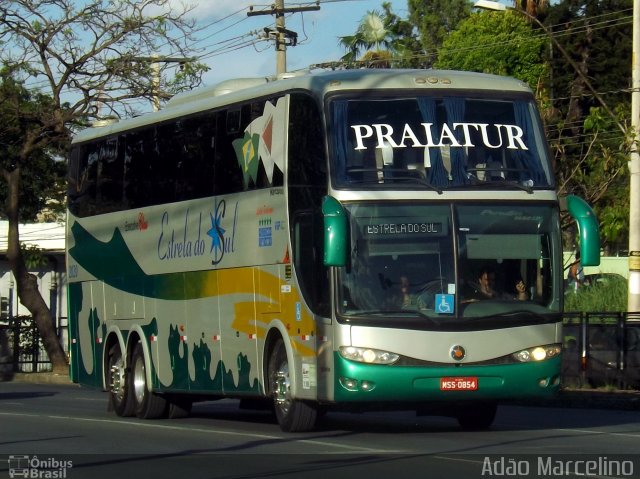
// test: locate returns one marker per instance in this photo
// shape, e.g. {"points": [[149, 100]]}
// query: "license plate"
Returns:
{"points": [[459, 384]]}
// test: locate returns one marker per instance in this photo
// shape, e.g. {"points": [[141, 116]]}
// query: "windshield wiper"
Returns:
{"points": [[388, 175], [526, 312], [495, 177], [520, 313], [379, 312], [503, 183]]}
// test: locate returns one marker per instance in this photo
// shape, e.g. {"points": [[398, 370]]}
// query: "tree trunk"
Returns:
{"points": [[27, 283]]}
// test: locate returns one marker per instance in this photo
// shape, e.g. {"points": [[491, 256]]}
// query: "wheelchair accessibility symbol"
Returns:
{"points": [[444, 303]]}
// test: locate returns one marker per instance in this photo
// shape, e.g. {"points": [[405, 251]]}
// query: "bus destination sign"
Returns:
{"points": [[403, 228]]}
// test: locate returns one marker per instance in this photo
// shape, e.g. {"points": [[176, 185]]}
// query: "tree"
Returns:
{"points": [[593, 165], [382, 40], [532, 7], [408, 52], [435, 20], [91, 60], [501, 43], [44, 177], [20, 116], [597, 36], [372, 34], [590, 149]]}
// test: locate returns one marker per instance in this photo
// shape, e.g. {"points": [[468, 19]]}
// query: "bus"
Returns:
{"points": [[315, 242]]}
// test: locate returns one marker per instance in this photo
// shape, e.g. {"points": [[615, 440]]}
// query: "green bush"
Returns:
{"points": [[608, 293]]}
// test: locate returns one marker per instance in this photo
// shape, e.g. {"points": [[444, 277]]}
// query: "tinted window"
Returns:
{"points": [[187, 158], [307, 184]]}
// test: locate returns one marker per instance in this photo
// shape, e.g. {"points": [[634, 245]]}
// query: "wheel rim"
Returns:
{"points": [[117, 378], [282, 387], [139, 380]]}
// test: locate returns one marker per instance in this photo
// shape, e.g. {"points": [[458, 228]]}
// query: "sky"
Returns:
{"points": [[226, 28]]}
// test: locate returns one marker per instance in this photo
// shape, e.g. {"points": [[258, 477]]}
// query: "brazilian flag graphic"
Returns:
{"points": [[247, 154]]}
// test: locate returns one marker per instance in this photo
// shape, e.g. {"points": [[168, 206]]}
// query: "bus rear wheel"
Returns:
{"points": [[293, 415], [120, 397], [477, 416], [148, 405]]}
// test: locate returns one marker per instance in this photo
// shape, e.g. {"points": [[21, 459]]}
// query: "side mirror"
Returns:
{"points": [[588, 230], [335, 232]]}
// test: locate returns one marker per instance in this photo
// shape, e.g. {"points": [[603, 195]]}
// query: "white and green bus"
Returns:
{"points": [[318, 243]]}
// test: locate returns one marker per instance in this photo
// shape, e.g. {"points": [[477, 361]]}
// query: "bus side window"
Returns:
{"points": [[197, 157], [232, 121], [140, 164], [81, 183], [110, 176], [227, 175]]}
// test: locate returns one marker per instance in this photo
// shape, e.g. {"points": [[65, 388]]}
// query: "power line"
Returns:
{"points": [[226, 46], [225, 28]]}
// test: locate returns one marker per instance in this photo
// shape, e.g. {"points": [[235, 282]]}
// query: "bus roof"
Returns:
{"points": [[243, 89]]}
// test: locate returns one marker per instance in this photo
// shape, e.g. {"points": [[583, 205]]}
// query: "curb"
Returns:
{"points": [[41, 378], [589, 399], [626, 400]]}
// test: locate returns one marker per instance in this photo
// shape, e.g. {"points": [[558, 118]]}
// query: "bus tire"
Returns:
{"points": [[293, 415], [477, 416], [120, 396], [147, 405]]}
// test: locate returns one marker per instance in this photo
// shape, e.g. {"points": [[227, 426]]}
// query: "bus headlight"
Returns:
{"points": [[368, 355], [539, 353]]}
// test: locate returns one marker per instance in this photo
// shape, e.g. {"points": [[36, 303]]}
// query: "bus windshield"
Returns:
{"points": [[438, 142], [449, 261]]}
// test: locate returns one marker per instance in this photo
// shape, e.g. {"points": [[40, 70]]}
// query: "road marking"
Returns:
{"points": [[589, 431], [581, 431], [313, 442], [459, 459]]}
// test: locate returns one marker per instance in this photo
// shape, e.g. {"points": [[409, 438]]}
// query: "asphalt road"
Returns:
{"points": [[66, 431]]}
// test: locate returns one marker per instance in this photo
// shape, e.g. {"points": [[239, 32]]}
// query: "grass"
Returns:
{"points": [[610, 294]]}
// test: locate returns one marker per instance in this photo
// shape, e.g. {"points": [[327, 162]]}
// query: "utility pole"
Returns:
{"points": [[633, 299], [283, 37], [155, 61]]}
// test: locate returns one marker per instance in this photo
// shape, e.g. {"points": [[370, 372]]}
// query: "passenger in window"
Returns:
{"points": [[485, 288], [407, 298], [423, 298]]}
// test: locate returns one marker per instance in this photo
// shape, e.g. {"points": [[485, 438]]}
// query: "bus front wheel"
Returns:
{"points": [[148, 405], [477, 416], [293, 415]]}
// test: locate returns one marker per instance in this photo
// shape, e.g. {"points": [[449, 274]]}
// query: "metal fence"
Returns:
{"points": [[599, 349], [21, 349]]}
